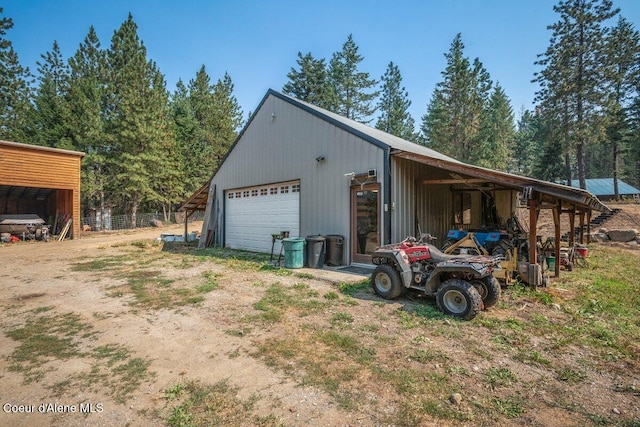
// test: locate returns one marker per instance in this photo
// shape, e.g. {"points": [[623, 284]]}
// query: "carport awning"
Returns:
{"points": [[576, 196], [197, 201]]}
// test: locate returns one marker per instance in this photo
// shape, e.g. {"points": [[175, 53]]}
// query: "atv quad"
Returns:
{"points": [[462, 284]]}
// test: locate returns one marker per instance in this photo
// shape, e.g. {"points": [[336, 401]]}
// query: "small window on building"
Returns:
{"points": [[462, 208], [273, 190], [263, 191], [295, 188], [231, 195], [245, 193], [284, 189], [238, 194], [254, 193]]}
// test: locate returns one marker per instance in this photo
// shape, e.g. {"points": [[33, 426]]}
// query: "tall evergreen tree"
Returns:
{"points": [[85, 101], [353, 90], [623, 72], [525, 149], [227, 115], [571, 79], [15, 92], [496, 137], [136, 121], [218, 116], [394, 106], [453, 119], [49, 123], [309, 83], [185, 126]]}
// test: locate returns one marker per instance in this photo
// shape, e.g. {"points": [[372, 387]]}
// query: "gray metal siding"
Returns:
{"points": [[432, 205], [282, 143]]}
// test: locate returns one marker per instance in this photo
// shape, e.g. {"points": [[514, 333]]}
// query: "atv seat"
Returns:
{"points": [[438, 256]]}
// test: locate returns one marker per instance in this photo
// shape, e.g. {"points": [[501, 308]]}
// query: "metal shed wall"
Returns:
{"points": [[431, 205], [282, 143]]}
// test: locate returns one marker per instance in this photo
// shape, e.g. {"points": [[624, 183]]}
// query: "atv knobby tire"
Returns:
{"points": [[459, 298], [489, 289], [385, 281]]}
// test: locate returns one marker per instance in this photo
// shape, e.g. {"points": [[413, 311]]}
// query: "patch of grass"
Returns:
{"points": [[499, 377], [354, 288], [45, 341], [150, 290], [341, 319], [426, 355], [509, 407], [278, 299], [532, 357], [46, 337], [98, 264], [146, 244], [214, 405], [331, 296], [349, 345], [570, 375]]}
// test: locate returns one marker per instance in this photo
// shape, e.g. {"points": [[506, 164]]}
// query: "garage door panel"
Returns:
{"points": [[253, 214]]}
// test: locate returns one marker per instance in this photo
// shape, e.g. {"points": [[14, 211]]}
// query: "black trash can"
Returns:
{"points": [[335, 245], [315, 251]]}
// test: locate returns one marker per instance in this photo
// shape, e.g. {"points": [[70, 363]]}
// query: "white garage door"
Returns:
{"points": [[253, 214]]}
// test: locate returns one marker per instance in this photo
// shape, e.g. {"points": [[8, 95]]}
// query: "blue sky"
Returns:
{"points": [[257, 42]]}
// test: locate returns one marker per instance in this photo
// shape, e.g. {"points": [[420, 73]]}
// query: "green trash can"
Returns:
{"points": [[551, 263], [293, 252]]}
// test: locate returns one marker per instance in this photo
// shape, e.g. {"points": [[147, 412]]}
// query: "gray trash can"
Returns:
{"points": [[335, 245], [315, 251]]}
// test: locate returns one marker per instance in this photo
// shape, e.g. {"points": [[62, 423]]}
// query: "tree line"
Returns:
{"points": [[585, 122], [148, 148]]}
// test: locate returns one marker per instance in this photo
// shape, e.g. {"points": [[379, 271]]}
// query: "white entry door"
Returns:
{"points": [[253, 214]]}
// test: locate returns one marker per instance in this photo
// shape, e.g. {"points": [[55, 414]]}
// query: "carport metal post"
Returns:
{"points": [[534, 210]]}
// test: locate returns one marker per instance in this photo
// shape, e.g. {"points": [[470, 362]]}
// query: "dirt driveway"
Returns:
{"points": [[180, 343], [118, 330]]}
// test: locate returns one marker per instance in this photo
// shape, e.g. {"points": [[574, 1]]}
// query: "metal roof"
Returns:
{"points": [[406, 149], [410, 150], [604, 187]]}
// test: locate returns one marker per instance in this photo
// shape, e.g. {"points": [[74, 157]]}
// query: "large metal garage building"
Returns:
{"points": [[40, 180], [298, 168]]}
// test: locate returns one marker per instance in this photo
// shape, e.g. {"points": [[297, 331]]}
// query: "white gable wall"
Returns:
{"points": [[281, 144]]}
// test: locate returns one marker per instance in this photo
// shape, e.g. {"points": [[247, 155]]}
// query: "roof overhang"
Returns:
{"points": [[577, 197], [197, 201]]}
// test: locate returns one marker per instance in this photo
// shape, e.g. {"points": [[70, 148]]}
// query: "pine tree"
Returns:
{"points": [[525, 150], [137, 122], [310, 82], [571, 79], [497, 133], [453, 120], [351, 89], [49, 123], [85, 99], [623, 72], [227, 116], [394, 106], [15, 92], [185, 126]]}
